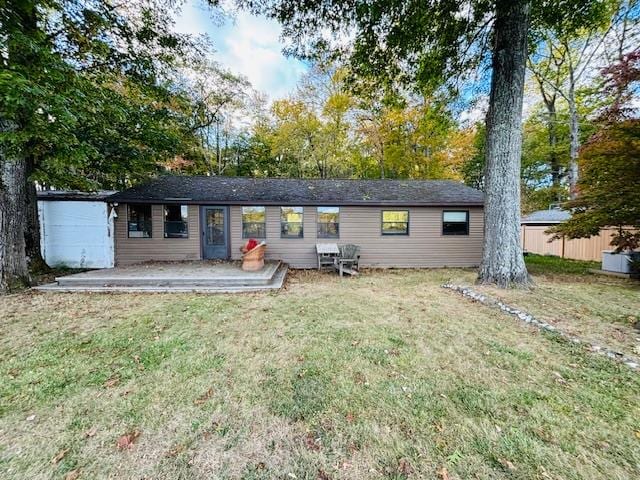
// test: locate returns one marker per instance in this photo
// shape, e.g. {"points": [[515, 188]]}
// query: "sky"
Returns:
{"points": [[246, 44]]}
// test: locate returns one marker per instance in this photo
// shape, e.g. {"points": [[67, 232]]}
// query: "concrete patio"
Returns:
{"points": [[197, 276]]}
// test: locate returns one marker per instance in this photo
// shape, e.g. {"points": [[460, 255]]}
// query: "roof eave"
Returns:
{"points": [[156, 201]]}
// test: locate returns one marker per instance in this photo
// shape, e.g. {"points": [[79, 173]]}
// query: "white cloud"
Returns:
{"points": [[247, 45]]}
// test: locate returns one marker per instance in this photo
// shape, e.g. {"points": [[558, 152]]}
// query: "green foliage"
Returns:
{"points": [[609, 193], [86, 83], [473, 167], [420, 44]]}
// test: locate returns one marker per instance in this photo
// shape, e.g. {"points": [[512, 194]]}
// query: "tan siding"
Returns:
{"points": [[134, 250], [535, 240], [424, 247]]}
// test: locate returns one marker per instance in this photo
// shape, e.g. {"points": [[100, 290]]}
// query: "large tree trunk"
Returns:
{"points": [[13, 264], [502, 260], [32, 227]]}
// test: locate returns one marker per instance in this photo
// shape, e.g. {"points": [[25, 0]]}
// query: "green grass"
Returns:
{"points": [[548, 264], [599, 309], [386, 375]]}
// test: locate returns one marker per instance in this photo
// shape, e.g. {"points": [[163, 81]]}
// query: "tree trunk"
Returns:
{"points": [[554, 165], [574, 135], [502, 260], [13, 263], [32, 226]]}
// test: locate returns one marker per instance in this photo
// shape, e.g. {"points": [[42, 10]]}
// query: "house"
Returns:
{"points": [[76, 229], [397, 223]]}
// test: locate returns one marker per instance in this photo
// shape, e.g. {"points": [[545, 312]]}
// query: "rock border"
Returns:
{"points": [[541, 325]]}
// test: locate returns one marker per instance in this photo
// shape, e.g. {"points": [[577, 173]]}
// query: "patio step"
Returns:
{"points": [[276, 276], [107, 279]]}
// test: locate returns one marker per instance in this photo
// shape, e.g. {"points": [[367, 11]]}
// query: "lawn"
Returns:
{"points": [[600, 309], [382, 376]]}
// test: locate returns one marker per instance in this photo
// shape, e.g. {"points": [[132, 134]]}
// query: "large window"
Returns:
{"points": [[455, 222], [291, 222], [328, 222], [139, 221], [395, 222], [254, 221], [176, 223]]}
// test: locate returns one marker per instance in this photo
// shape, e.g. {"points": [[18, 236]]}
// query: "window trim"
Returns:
{"points": [[129, 205], [164, 220], [467, 222], [301, 223], [391, 234], [263, 223], [327, 223]]}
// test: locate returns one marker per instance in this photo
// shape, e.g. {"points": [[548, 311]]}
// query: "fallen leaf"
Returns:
{"points": [[72, 475], [404, 467], [443, 473], [204, 397], [126, 441], [507, 464], [311, 443], [559, 378], [59, 456], [175, 451], [112, 382], [322, 475], [638, 433]]}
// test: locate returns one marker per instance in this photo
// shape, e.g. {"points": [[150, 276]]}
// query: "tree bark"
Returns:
{"points": [[553, 145], [35, 260], [502, 260], [13, 263], [574, 135]]}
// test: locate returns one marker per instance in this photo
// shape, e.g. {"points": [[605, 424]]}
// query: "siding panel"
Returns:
{"points": [[425, 246], [134, 250]]}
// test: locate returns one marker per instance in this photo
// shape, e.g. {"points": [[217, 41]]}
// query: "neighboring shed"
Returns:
{"points": [[534, 239], [76, 229]]}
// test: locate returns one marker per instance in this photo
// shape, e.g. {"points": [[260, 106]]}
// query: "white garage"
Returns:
{"points": [[76, 229]]}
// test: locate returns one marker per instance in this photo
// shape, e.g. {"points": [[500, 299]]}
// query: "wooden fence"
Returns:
{"points": [[534, 240]]}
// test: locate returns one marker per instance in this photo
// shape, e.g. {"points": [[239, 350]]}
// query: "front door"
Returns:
{"points": [[215, 236]]}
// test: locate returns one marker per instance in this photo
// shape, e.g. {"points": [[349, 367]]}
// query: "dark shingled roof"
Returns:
{"points": [[288, 191]]}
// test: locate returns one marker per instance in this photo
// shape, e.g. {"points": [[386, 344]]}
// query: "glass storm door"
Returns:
{"points": [[215, 238]]}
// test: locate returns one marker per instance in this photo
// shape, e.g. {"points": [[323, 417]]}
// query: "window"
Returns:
{"points": [[254, 221], [455, 222], [139, 221], [175, 221], [328, 222], [291, 222], [395, 222]]}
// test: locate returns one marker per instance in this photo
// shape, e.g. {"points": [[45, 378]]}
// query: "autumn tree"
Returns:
{"points": [[563, 63], [610, 164], [424, 45]]}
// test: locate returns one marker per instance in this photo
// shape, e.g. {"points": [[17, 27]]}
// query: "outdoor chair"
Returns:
{"points": [[348, 259]]}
